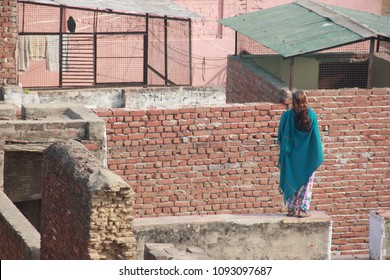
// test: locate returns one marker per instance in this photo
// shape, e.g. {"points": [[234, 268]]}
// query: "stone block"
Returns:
{"points": [[229, 237], [167, 251], [7, 112], [157, 251]]}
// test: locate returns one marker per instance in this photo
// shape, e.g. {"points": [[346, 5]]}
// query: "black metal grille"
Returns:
{"points": [[69, 47]]}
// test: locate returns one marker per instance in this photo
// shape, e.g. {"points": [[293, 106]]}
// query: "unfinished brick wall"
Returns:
{"points": [[355, 177], [190, 161], [22, 175], [247, 83], [19, 240], [216, 160], [8, 37], [86, 209]]}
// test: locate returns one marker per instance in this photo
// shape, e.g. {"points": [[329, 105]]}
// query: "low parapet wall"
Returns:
{"points": [[173, 97], [129, 97], [229, 237], [19, 240]]}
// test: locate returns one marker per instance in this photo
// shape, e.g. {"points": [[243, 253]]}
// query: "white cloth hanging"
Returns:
{"points": [[23, 52], [52, 53]]}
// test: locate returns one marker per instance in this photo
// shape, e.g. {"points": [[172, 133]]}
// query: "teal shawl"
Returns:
{"points": [[300, 152]]}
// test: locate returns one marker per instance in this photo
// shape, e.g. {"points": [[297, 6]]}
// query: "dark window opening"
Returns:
{"points": [[23, 183], [335, 75]]}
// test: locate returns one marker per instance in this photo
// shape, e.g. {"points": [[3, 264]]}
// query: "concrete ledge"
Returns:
{"points": [[174, 97], [91, 98], [42, 125], [379, 246], [263, 236]]}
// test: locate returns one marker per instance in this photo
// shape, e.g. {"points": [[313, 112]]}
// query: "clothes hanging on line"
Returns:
{"points": [[23, 53], [37, 47], [30, 47], [52, 53]]}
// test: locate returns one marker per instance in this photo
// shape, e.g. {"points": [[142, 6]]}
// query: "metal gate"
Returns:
{"points": [[104, 48], [77, 63]]}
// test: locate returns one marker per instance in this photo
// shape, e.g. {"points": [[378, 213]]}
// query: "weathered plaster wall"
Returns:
{"points": [[135, 97], [171, 97], [241, 237], [86, 209], [19, 240], [90, 98], [361, 5]]}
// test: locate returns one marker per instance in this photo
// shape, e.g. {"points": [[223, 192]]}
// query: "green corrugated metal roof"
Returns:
{"points": [[306, 26]]}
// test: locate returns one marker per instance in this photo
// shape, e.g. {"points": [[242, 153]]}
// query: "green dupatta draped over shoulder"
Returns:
{"points": [[300, 152]]}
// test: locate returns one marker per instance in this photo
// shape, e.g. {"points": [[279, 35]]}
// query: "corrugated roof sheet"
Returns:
{"points": [[377, 23], [306, 26], [160, 7]]}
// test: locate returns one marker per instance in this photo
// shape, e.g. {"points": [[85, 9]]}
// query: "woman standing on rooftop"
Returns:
{"points": [[300, 154]]}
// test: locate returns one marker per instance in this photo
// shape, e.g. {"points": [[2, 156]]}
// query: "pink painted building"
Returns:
{"points": [[212, 43]]}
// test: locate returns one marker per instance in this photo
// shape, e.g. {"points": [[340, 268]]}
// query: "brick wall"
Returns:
{"points": [[19, 240], [8, 37], [22, 175], [246, 82], [355, 177], [86, 210], [23, 140], [196, 160], [215, 160]]}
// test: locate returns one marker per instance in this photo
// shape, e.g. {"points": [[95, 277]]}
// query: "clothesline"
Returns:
{"points": [[37, 47]]}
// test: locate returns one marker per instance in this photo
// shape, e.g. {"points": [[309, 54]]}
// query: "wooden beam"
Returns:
{"points": [[292, 63], [371, 63]]}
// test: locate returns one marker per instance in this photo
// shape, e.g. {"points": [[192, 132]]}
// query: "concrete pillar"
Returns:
{"points": [[379, 247]]}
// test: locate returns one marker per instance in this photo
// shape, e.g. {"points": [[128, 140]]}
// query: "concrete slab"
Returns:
{"points": [[379, 246], [259, 236]]}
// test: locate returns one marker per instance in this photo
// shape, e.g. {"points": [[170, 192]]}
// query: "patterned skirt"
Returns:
{"points": [[302, 198]]}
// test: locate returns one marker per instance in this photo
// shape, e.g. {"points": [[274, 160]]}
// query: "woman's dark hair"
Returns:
{"points": [[300, 104]]}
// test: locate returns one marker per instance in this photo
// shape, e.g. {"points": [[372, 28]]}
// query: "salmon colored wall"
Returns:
{"points": [[209, 52], [372, 6]]}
